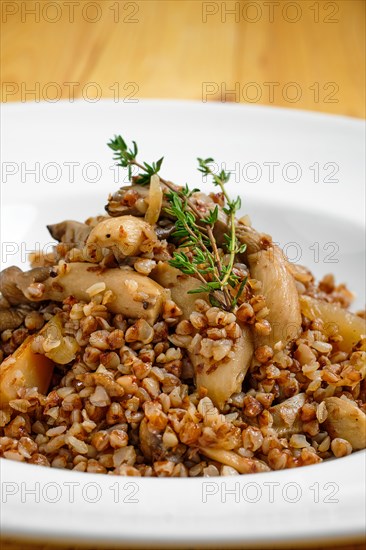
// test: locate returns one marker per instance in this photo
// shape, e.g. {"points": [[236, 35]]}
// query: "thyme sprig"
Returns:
{"points": [[198, 254], [231, 209], [194, 235], [127, 158]]}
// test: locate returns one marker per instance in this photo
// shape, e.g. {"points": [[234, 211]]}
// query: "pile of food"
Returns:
{"points": [[169, 338]]}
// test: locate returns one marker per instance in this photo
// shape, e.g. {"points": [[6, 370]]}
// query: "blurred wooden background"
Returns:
{"points": [[304, 54]]}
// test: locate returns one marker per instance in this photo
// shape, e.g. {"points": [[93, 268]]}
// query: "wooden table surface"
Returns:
{"points": [[9, 545], [304, 54]]}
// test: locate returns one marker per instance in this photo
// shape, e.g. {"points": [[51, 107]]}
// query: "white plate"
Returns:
{"points": [[312, 202]]}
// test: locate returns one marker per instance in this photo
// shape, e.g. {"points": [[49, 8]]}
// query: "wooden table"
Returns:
{"points": [[304, 54], [11, 545]]}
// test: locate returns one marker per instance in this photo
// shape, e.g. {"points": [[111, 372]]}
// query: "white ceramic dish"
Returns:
{"points": [[294, 156]]}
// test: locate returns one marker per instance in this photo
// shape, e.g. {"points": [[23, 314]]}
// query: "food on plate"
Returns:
{"points": [[170, 338]]}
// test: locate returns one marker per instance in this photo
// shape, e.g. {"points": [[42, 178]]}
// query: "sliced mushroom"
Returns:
{"points": [[347, 421], [11, 318], [336, 319], [164, 231], [179, 284], [278, 287], [287, 415], [223, 377], [4, 304], [151, 442], [70, 231], [133, 295], [13, 280], [128, 200], [24, 369], [242, 464], [8, 288], [254, 240], [125, 236]]}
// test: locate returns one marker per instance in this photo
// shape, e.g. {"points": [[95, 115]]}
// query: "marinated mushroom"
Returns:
{"points": [[347, 421], [240, 463], [11, 318], [31, 365], [287, 415], [253, 239], [151, 441], [179, 285], [221, 376], [70, 231], [133, 295], [24, 369], [278, 287], [128, 200], [8, 286], [21, 287], [124, 235], [336, 319]]}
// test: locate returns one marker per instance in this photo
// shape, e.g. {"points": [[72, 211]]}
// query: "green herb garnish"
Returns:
{"points": [[199, 255]]}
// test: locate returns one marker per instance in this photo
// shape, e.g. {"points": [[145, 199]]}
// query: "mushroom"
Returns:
{"points": [[164, 231], [151, 442], [69, 231], [346, 420], [270, 267], [242, 464], [254, 240], [225, 376], [133, 295], [179, 285], [131, 199], [13, 281], [11, 318], [287, 415], [125, 236], [24, 369], [336, 319], [4, 304]]}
